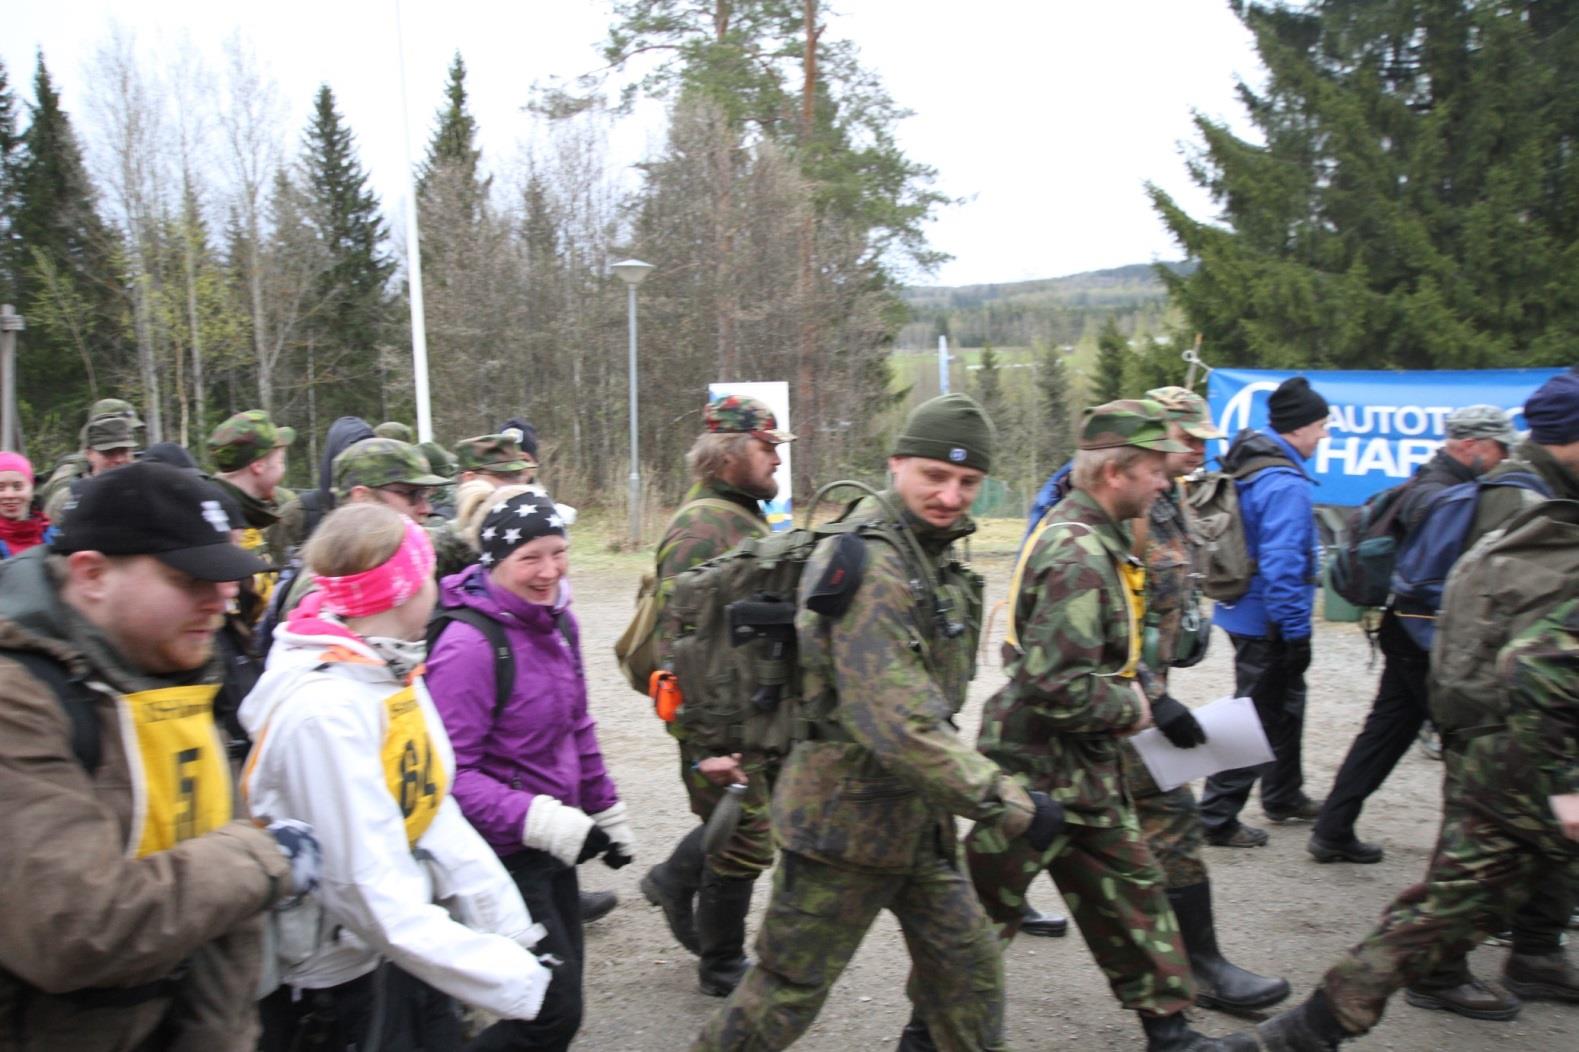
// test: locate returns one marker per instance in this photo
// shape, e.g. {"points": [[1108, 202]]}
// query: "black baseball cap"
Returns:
{"points": [[155, 509]]}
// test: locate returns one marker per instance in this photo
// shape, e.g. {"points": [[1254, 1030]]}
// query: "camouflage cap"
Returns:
{"points": [[109, 432], [440, 460], [245, 437], [1187, 409], [496, 453], [1137, 422], [396, 430], [739, 415], [1481, 421], [114, 407], [375, 462]]}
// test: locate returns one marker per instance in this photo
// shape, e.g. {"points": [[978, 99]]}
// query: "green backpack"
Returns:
{"points": [[731, 622], [1214, 505], [1507, 581]]}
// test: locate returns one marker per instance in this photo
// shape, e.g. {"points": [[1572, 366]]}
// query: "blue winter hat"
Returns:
{"points": [[1552, 412]]}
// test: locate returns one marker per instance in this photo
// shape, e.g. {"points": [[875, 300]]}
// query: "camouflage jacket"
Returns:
{"points": [[1168, 547], [1059, 717], [697, 534], [1501, 503], [876, 787], [451, 552]]}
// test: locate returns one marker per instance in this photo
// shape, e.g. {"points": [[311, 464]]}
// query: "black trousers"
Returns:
{"points": [[1279, 697], [553, 896], [411, 1016], [1401, 707]]}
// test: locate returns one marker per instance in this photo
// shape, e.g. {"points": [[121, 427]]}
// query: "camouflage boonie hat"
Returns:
{"points": [[1187, 409], [106, 408], [396, 430], [245, 437], [739, 415], [440, 460], [1481, 421], [109, 432], [375, 462], [496, 453], [1136, 422]]}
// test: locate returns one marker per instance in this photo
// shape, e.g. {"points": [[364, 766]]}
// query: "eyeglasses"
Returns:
{"points": [[409, 494]]}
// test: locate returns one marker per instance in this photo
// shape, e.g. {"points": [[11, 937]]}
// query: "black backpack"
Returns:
{"points": [[75, 696], [493, 631], [1361, 570]]}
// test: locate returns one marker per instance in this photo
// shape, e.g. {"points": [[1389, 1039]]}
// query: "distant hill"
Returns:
{"points": [[1047, 311]]}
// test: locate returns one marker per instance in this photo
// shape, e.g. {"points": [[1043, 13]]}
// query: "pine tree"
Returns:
{"points": [[1112, 354], [1054, 432], [351, 311], [1414, 198]]}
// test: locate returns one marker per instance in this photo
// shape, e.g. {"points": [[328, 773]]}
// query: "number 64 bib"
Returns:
{"points": [[414, 774]]}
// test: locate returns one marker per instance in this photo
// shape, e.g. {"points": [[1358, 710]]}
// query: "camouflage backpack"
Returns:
{"points": [[732, 623], [1509, 579], [1214, 503]]}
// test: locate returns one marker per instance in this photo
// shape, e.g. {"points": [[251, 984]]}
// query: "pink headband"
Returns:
{"points": [[16, 462], [386, 585]]}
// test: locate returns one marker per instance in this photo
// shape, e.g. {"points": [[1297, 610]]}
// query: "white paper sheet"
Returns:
{"points": [[1234, 738]]}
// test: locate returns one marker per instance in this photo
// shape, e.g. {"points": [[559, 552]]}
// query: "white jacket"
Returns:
{"points": [[318, 719]]}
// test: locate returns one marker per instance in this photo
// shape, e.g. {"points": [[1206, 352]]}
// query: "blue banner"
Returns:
{"points": [[1383, 424]]}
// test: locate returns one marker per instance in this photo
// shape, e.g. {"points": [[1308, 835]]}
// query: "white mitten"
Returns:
{"points": [[554, 827], [618, 827]]}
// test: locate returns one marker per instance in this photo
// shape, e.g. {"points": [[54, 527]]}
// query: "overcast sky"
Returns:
{"points": [[1045, 116]]}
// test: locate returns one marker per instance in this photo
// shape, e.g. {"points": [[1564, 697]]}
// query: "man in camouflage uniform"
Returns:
{"points": [[1510, 823], [705, 900], [109, 440], [396, 430], [486, 463], [1077, 686], [444, 463], [863, 812], [248, 451]]}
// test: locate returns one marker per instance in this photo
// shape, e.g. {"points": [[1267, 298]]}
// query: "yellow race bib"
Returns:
{"points": [[185, 776], [413, 772], [255, 541], [1132, 575]]}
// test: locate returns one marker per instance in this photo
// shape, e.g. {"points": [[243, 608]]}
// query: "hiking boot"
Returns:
{"points": [[1471, 998], [915, 1037], [595, 904], [721, 908], [1171, 1033], [1354, 850], [1240, 835], [1541, 976], [1219, 983], [1306, 810], [672, 885], [1307, 1027], [1048, 925]]}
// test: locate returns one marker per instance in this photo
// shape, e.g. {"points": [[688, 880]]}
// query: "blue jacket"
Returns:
{"points": [[1280, 531], [1055, 489]]}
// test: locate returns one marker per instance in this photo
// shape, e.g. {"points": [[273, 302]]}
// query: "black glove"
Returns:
{"points": [[1296, 656], [616, 858], [1177, 723], [1047, 824], [595, 844]]}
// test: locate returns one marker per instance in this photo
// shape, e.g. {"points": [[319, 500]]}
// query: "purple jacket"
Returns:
{"points": [[545, 741]]}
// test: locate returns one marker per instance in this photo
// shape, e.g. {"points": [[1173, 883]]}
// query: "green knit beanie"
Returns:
{"points": [[950, 428]]}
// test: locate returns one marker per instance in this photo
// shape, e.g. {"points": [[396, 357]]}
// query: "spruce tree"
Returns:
{"points": [[1112, 355], [352, 303], [989, 384], [453, 154], [1411, 202], [10, 161], [1054, 432]]}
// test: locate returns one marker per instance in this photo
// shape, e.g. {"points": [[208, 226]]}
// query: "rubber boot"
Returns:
{"points": [[1219, 983], [721, 908], [672, 885], [1172, 1033], [1309, 1026], [915, 1037]]}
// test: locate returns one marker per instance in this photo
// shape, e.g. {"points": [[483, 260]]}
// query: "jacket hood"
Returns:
{"points": [[1249, 445], [472, 588], [303, 646], [343, 433]]}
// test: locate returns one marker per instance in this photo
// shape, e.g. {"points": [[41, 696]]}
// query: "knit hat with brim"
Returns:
{"points": [[951, 428]]}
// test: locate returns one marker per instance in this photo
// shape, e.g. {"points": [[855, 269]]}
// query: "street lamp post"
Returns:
{"points": [[633, 272]]}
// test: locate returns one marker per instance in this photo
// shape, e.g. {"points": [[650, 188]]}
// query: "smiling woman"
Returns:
{"points": [[22, 524]]}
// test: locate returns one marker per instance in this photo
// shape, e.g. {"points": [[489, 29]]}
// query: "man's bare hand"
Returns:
{"points": [[1145, 712], [723, 770], [1566, 808]]}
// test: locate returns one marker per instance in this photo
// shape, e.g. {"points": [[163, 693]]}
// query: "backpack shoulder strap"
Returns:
{"points": [[75, 696], [1255, 465], [1011, 633], [493, 632]]}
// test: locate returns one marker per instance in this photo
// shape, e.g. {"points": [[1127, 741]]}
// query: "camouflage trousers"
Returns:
{"points": [[817, 917], [1170, 821], [1114, 890], [749, 852], [1486, 862]]}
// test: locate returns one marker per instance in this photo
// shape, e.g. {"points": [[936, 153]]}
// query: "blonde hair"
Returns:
{"points": [[1087, 470], [710, 454], [354, 538]]}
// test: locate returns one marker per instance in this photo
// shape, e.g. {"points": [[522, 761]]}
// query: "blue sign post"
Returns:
{"points": [[1383, 424]]}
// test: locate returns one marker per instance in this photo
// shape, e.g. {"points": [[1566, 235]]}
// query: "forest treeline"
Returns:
{"points": [[1409, 199]]}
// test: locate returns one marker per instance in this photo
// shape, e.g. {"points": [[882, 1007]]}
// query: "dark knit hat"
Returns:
{"points": [[514, 522], [1295, 404], [1552, 412], [950, 428]]}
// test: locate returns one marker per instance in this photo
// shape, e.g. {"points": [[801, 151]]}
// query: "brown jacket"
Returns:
{"points": [[80, 911]]}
